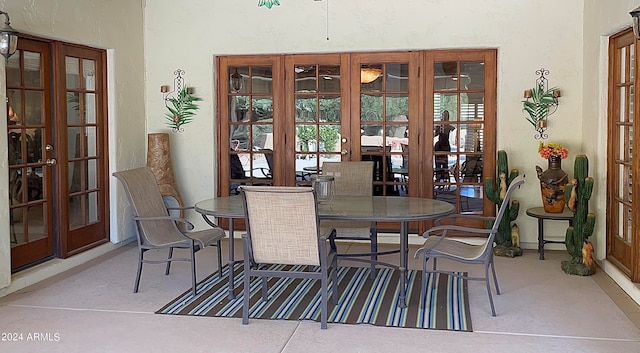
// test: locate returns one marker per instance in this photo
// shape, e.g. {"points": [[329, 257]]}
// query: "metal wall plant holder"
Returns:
{"points": [[180, 102], [540, 102]]}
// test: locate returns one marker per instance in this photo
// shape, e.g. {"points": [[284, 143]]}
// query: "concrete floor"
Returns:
{"points": [[92, 309]]}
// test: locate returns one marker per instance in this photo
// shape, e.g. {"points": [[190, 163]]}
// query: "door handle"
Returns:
{"points": [[344, 152], [51, 162]]}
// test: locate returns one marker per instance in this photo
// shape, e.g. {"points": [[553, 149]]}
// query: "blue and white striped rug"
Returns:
{"points": [[362, 300]]}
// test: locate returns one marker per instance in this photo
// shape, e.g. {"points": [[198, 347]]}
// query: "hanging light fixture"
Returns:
{"points": [[236, 81], [635, 15], [8, 38], [268, 3], [369, 74]]}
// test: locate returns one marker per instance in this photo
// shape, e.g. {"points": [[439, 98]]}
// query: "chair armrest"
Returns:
{"points": [[266, 172], [329, 234], [442, 230], [180, 208], [189, 225], [442, 234], [464, 216]]}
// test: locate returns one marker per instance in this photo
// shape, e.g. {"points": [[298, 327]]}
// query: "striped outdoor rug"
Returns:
{"points": [[362, 300]]}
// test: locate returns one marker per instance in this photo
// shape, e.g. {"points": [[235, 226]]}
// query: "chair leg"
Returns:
{"points": [[486, 280], [193, 267], [166, 272], [246, 291], [220, 259], [423, 289], [140, 259], [374, 251], [265, 289], [495, 278], [334, 280], [324, 298]]}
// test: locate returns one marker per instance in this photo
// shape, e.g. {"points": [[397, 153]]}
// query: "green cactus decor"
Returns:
{"points": [[577, 195], [495, 191]]}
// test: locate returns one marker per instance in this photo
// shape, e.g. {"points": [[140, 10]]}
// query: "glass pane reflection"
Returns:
{"points": [[33, 104], [32, 70], [73, 108], [73, 72], [261, 79], [472, 75], [75, 212]]}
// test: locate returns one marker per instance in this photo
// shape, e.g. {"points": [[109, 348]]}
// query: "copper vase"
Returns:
{"points": [[159, 161], [552, 184]]}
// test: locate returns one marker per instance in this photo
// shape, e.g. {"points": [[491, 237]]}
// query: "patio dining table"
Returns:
{"points": [[346, 208]]}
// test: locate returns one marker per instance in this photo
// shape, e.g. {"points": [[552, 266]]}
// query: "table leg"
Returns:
{"points": [[231, 284], [541, 238], [231, 264], [404, 253]]}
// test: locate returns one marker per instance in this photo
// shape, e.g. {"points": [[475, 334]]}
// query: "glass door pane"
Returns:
{"points": [[251, 132], [458, 143], [317, 118], [384, 125]]}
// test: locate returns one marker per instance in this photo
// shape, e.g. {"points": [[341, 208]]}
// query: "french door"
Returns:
{"points": [[623, 242], [280, 117], [57, 160]]}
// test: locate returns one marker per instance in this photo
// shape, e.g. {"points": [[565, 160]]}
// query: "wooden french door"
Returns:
{"points": [[83, 149], [281, 116], [623, 242], [31, 172], [57, 150]]}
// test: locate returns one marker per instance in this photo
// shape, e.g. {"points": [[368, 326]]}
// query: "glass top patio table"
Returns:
{"points": [[349, 208]]}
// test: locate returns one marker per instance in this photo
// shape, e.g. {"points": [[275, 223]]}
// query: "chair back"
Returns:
{"points": [[515, 183], [488, 243], [350, 178], [282, 224], [146, 201]]}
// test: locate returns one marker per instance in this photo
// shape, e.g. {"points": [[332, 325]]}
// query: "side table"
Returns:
{"points": [[541, 215]]}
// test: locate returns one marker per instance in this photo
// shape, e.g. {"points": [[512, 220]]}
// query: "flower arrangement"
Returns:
{"points": [[552, 150]]}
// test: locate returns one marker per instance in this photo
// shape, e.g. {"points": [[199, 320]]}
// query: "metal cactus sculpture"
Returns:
{"points": [[495, 191], [577, 195]]}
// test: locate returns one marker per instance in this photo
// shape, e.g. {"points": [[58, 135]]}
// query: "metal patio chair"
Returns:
{"points": [[353, 178], [156, 229], [439, 245], [283, 228]]}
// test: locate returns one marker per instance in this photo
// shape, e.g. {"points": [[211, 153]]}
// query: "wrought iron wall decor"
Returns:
{"points": [[180, 102], [540, 102]]}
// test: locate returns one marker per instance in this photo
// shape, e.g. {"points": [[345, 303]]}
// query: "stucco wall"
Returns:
{"points": [[529, 35], [115, 25]]}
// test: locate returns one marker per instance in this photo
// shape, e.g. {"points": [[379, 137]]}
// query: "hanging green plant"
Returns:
{"points": [[182, 109], [539, 105]]}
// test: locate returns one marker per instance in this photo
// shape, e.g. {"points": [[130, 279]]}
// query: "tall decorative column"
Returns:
{"points": [[159, 161]]}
